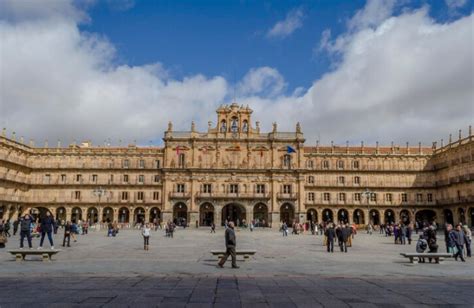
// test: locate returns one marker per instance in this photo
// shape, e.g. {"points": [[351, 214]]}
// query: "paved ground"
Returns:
{"points": [[286, 272]]}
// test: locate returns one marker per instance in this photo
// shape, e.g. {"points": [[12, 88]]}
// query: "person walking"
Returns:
{"points": [[330, 235], [230, 244], [25, 230], [3, 238], [461, 240], [468, 234], [453, 243], [146, 231], [47, 227], [7, 228], [67, 234], [284, 228], [15, 226], [213, 228], [346, 232]]}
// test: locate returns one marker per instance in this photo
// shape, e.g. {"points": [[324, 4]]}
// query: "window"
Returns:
{"points": [[47, 178], [356, 180], [223, 128], [156, 195], [180, 188], [206, 188], [373, 197], [245, 126], [340, 164], [111, 178], [287, 161], [234, 188], [311, 179], [141, 163], [404, 197], [141, 178], [78, 177], [156, 178], [77, 195], [341, 180], [357, 197], [310, 164], [287, 189], [157, 164], [430, 197], [125, 178], [234, 126], [388, 198], [126, 163], [260, 188], [140, 196], [419, 198], [94, 178], [124, 195], [326, 197], [311, 196], [325, 164], [182, 160], [63, 178], [355, 164], [342, 196]]}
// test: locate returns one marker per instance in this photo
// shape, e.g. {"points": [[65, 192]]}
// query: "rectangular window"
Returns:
{"points": [[126, 163], [156, 195], [357, 197], [355, 164], [388, 197], [260, 188], [207, 188], [373, 197], [342, 197], [180, 188], [140, 196], [419, 197], [141, 164], [234, 188], [77, 195], [325, 164], [326, 197], [156, 178], [356, 180], [47, 178], [94, 178], [340, 164], [430, 197], [111, 178], [311, 179], [63, 178], [124, 195], [311, 196], [182, 160], [341, 180], [287, 189], [141, 179], [125, 178], [404, 197], [287, 161], [157, 164], [78, 177]]}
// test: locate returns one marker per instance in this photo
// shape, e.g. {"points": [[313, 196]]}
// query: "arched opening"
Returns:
{"points": [[462, 216], [358, 217], [124, 215], [448, 217], [312, 215], [374, 217], [61, 214], [206, 214], [76, 214], [139, 215], [180, 214], [233, 212], [107, 215], [287, 213], [260, 215], [471, 217], [342, 216], [426, 217], [328, 215], [389, 217], [405, 217], [155, 215], [92, 215]]}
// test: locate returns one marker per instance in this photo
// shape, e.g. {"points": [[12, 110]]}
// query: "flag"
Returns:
{"points": [[290, 150], [177, 150]]}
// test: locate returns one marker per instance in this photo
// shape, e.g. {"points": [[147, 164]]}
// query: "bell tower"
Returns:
{"points": [[234, 120]]}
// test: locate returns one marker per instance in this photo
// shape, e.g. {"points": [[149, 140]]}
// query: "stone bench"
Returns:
{"points": [[438, 257], [245, 253], [20, 254]]}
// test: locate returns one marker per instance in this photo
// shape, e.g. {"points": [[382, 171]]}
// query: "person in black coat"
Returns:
{"points": [[47, 227], [230, 244], [346, 232], [330, 236], [67, 234], [25, 230]]}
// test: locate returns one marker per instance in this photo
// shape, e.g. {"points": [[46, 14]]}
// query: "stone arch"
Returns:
{"points": [[448, 216], [426, 216], [343, 215], [61, 213], [180, 214], [287, 213], [358, 217], [139, 215], [92, 215], [389, 217], [312, 215], [234, 212], [374, 217], [260, 214], [328, 215], [108, 214], [155, 215], [124, 215], [206, 214], [76, 214]]}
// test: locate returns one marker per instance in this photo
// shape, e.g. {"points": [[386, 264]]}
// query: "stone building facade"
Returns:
{"points": [[235, 171]]}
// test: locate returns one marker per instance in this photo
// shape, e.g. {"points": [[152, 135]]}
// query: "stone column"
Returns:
{"points": [[147, 214], [6, 213], [275, 220], [350, 212], [193, 216], [167, 215], [248, 214], [68, 213], [217, 215], [116, 215], [100, 213]]}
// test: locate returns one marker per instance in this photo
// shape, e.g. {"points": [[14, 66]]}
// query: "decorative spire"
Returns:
{"points": [[298, 127], [274, 127], [22, 140], [408, 148], [442, 142], [170, 126], [419, 147], [450, 138], [460, 136], [470, 130], [13, 136], [209, 125], [193, 126], [59, 143], [434, 145]]}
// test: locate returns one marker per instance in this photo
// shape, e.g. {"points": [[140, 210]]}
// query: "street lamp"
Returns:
{"points": [[99, 192], [368, 194]]}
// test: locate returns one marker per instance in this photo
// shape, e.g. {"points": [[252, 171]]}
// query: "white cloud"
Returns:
{"points": [[282, 29], [401, 78]]}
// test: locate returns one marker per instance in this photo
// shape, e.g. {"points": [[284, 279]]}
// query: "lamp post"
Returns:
{"points": [[99, 192], [368, 194]]}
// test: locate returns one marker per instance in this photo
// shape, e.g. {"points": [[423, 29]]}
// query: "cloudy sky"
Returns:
{"points": [[347, 70]]}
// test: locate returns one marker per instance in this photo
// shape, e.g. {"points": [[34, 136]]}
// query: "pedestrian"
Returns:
{"points": [[25, 230], [67, 234], [146, 231], [453, 243], [7, 228], [369, 229], [421, 246], [3, 238], [74, 230], [230, 245], [432, 245], [403, 233], [15, 226], [461, 240], [345, 234], [284, 229], [330, 235], [47, 227], [251, 226], [213, 228], [409, 233], [468, 234]]}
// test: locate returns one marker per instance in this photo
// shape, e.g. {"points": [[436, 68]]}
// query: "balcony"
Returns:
{"points": [[179, 195], [287, 196], [224, 195]]}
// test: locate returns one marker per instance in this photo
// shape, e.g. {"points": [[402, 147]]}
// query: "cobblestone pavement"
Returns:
{"points": [[286, 272]]}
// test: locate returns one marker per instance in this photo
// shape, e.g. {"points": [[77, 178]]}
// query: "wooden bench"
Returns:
{"points": [[245, 253], [415, 256], [20, 254]]}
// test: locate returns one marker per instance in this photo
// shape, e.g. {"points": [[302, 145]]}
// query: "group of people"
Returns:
{"points": [[458, 241], [341, 232]]}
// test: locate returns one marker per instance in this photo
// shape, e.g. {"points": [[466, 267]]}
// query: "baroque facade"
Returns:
{"points": [[235, 171]]}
